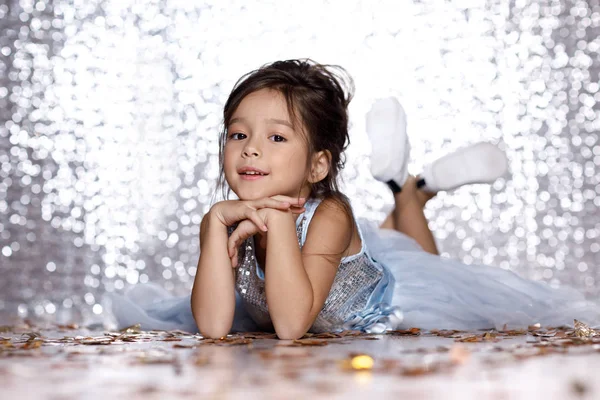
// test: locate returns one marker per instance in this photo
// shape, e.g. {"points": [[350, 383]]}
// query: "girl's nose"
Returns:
{"points": [[251, 151]]}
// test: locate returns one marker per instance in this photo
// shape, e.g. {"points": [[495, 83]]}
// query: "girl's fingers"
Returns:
{"points": [[268, 202], [291, 200], [234, 260], [233, 242], [278, 202], [231, 246], [244, 230], [257, 220]]}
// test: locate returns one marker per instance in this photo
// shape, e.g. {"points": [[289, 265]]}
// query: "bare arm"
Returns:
{"points": [[297, 283], [213, 295]]}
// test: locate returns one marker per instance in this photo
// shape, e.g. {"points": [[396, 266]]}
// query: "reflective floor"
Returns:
{"points": [[69, 362]]}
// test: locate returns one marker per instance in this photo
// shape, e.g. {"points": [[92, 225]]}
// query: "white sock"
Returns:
{"points": [[390, 149], [478, 163]]}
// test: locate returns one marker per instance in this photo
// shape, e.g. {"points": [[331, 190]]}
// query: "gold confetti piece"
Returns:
{"points": [[416, 371], [178, 332], [444, 332], [544, 334], [362, 362], [582, 330], [517, 332], [469, 339], [235, 341], [68, 327], [137, 328], [32, 344], [184, 346], [102, 340], [357, 362], [133, 338], [259, 335], [309, 342], [408, 332], [32, 335], [327, 335]]}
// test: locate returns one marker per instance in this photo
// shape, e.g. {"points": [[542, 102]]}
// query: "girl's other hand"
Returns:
{"points": [[231, 211], [296, 203], [244, 230], [247, 228]]}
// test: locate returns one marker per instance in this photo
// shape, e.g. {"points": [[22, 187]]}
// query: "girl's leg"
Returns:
{"points": [[408, 217], [386, 127], [423, 197]]}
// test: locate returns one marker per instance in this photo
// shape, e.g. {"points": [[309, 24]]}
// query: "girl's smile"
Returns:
{"points": [[250, 173], [251, 177]]}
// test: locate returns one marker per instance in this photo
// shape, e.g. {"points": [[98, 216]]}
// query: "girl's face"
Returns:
{"points": [[264, 156]]}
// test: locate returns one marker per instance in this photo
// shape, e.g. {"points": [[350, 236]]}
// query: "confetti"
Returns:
{"points": [[582, 330], [362, 362]]}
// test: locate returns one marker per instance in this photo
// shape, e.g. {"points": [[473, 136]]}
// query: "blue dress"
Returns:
{"points": [[390, 284]]}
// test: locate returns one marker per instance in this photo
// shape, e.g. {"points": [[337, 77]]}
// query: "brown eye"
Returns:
{"points": [[278, 138], [237, 136]]}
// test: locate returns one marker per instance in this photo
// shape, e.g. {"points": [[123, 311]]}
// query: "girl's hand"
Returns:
{"points": [[247, 228], [231, 211]]}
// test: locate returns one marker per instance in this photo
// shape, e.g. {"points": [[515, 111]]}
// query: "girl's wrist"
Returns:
{"points": [[272, 216], [212, 221]]}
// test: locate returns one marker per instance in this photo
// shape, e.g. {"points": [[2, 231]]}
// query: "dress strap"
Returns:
{"points": [[303, 222], [304, 219]]}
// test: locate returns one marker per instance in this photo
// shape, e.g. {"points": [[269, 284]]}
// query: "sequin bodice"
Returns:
{"points": [[355, 281]]}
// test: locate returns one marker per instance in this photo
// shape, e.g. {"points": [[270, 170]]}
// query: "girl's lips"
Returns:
{"points": [[251, 177]]}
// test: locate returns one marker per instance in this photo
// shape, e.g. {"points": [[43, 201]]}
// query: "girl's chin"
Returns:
{"points": [[256, 196], [248, 195], [250, 198], [253, 196]]}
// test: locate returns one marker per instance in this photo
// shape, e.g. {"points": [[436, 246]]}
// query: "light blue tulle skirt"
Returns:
{"points": [[154, 308], [430, 293]]}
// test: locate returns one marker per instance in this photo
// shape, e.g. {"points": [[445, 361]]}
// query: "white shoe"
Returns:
{"points": [[390, 149], [479, 163]]}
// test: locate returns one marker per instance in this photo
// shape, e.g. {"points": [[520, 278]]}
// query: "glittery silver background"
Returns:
{"points": [[109, 113]]}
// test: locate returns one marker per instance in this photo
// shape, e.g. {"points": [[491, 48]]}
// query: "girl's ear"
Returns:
{"points": [[320, 166]]}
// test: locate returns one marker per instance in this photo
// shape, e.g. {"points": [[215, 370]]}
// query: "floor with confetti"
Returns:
{"points": [[70, 362]]}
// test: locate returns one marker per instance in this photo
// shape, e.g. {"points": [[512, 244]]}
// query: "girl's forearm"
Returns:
{"points": [[288, 289], [213, 295]]}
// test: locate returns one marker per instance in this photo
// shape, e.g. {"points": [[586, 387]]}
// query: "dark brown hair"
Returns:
{"points": [[317, 97]]}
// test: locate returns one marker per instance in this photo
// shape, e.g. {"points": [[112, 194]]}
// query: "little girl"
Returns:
{"points": [[289, 255]]}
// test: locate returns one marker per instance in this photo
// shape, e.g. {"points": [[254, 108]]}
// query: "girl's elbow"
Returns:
{"points": [[291, 331], [289, 334], [213, 332], [213, 328]]}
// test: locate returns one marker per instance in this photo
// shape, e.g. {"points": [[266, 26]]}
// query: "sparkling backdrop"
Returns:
{"points": [[109, 113]]}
